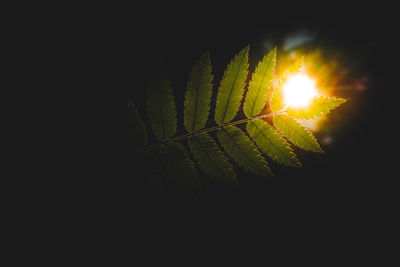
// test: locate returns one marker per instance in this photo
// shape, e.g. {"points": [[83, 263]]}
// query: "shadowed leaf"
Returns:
{"points": [[239, 146], [211, 159], [161, 107], [180, 167], [198, 95]]}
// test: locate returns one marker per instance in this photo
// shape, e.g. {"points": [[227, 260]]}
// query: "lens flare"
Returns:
{"points": [[299, 90]]}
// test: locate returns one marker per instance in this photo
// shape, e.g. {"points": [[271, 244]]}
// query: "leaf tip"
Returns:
{"points": [[297, 164], [246, 49], [268, 173]]}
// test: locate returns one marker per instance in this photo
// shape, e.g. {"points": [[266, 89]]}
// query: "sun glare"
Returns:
{"points": [[299, 90]]}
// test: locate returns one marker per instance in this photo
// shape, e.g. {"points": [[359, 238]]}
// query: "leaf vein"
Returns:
{"points": [[231, 91], [267, 138]]}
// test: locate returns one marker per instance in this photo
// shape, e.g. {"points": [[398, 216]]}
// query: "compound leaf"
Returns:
{"points": [[198, 94], [272, 143], [180, 167], [296, 133], [260, 85], [239, 146], [230, 92], [161, 107], [211, 159], [320, 106]]}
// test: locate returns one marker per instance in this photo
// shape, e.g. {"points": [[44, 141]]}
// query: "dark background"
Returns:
{"points": [[347, 189]]}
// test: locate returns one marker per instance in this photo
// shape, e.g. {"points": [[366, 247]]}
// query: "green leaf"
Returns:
{"points": [[161, 107], [134, 134], [296, 133], [211, 159], [198, 94], [320, 106], [297, 66], [260, 85], [180, 167], [272, 143], [230, 92], [239, 146], [277, 99]]}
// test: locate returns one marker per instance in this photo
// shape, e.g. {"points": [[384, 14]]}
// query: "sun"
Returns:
{"points": [[299, 90]]}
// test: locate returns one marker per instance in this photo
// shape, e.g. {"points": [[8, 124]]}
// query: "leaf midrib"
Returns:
{"points": [[207, 155], [197, 94], [231, 91], [298, 133], [240, 148], [258, 91], [267, 138]]}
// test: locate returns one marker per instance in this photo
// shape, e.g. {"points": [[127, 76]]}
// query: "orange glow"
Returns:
{"points": [[304, 75]]}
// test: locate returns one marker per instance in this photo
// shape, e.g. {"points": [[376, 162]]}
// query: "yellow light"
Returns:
{"points": [[310, 124], [299, 90]]}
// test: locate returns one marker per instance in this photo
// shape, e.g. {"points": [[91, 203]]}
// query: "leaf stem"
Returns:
{"points": [[206, 130]]}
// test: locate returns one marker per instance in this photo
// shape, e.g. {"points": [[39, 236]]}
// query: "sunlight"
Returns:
{"points": [[299, 90]]}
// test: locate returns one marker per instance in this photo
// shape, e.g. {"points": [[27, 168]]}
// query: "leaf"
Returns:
{"points": [[134, 133], [272, 143], [180, 167], [296, 133], [239, 146], [198, 95], [297, 66], [277, 98], [230, 92], [320, 106], [211, 159], [260, 85], [161, 107]]}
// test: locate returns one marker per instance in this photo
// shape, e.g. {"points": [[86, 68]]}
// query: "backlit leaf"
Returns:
{"points": [[272, 143], [230, 92], [260, 84], [296, 133], [319, 106]]}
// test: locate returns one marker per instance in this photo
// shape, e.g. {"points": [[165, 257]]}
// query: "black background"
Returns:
{"points": [[343, 193]]}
